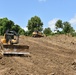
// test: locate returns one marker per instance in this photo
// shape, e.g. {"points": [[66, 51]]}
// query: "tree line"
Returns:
{"points": [[35, 24], [6, 24]]}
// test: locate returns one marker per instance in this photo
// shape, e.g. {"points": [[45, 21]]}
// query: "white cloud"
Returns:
{"points": [[42, 0], [51, 23], [73, 20]]}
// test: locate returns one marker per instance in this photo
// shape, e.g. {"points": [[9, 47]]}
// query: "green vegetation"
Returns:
{"points": [[35, 24], [59, 24], [8, 24], [66, 28], [47, 31]]}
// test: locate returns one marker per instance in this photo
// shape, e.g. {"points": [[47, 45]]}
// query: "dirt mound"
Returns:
{"points": [[52, 55]]}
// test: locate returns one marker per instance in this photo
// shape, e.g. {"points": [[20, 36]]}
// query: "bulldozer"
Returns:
{"points": [[9, 44], [37, 34]]}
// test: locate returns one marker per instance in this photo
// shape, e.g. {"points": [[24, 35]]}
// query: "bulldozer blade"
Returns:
{"points": [[16, 46], [17, 50], [17, 53]]}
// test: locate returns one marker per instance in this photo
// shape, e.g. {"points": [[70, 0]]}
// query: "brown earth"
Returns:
{"points": [[55, 55]]}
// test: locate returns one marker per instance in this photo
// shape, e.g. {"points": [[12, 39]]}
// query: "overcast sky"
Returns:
{"points": [[20, 11]]}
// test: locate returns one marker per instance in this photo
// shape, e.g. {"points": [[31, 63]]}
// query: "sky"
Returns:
{"points": [[49, 11]]}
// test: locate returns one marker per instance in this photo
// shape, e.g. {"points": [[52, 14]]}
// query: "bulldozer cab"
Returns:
{"points": [[12, 37]]}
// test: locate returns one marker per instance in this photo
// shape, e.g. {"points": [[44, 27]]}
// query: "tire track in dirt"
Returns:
{"points": [[18, 67], [55, 54], [30, 67], [52, 47], [21, 60], [50, 43], [60, 48]]}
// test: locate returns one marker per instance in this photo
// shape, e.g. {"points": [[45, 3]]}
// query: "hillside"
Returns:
{"points": [[54, 55]]}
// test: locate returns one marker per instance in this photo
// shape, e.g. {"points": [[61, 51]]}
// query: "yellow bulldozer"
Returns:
{"points": [[9, 44], [37, 34]]}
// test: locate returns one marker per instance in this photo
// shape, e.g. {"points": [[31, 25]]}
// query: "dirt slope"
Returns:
{"points": [[54, 55]]}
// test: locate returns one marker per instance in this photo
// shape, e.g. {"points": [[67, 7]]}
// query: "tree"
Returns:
{"points": [[67, 28], [5, 24], [35, 23], [16, 28], [21, 32], [47, 31], [59, 24], [9, 24], [1, 29]]}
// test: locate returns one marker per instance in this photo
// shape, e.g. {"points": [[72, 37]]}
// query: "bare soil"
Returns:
{"points": [[53, 55]]}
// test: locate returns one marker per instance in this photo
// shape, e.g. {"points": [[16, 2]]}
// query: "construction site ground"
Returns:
{"points": [[53, 55]]}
